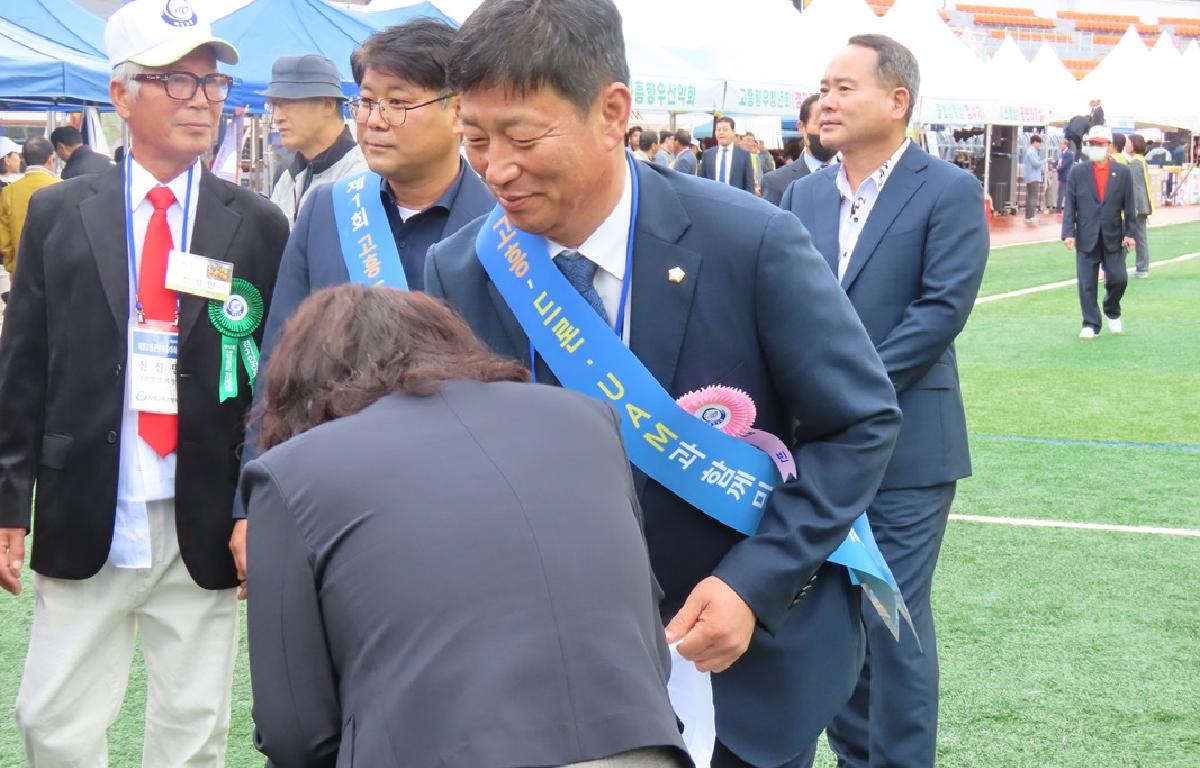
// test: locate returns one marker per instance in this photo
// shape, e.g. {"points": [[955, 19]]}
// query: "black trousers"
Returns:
{"points": [[1116, 278]]}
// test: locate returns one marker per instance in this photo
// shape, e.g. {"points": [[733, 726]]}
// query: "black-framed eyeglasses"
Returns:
{"points": [[182, 86], [391, 111]]}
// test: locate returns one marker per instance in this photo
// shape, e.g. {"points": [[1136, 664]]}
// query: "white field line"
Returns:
{"points": [[1065, 283], [1021, 521]]}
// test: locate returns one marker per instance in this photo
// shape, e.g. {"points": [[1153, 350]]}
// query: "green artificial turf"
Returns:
{"points": [[1059, 648]]}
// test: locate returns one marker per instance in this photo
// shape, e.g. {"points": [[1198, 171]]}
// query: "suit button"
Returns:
{"points": [[118, 369], [111, 437]]}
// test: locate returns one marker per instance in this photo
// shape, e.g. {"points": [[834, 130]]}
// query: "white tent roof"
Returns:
{"points": [[1011, 81], [1057, 83], [953, 80], [1123, 81]]}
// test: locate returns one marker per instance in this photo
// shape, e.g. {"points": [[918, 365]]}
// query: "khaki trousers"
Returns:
{"points": [[81, 645]]}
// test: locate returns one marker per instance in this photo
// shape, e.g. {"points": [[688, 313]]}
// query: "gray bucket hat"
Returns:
{"points": [[304, 77]]}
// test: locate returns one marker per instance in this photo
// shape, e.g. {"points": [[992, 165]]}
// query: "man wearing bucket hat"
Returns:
{"points": [[305, 98], [125, 372], [1098, 221]]}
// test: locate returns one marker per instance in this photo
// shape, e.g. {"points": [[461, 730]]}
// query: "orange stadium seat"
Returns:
{"points": [[994, 9], [1178, 21]]}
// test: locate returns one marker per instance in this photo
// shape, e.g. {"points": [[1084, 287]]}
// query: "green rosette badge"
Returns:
{"points": [[236, 319]]}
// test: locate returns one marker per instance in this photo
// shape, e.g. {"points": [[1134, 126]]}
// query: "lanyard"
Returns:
{"points": [[619, 320], [131, 246]]}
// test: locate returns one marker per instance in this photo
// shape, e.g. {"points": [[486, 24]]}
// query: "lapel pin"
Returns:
{"points": [[675, 275]]}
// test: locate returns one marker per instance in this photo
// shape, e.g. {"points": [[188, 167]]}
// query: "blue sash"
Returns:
{"points": [[367, 244]]}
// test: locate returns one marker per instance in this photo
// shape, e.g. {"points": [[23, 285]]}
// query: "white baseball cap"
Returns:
{"points": [[1099, 134], [8, 146], [155, 33]]}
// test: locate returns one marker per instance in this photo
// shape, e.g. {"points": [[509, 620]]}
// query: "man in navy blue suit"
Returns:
{"points": [[408, 132], [1098, 215], [728, 163], [906, 236], [722, 288]]}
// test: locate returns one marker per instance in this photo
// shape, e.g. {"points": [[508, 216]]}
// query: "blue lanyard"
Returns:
{"points": [[619, 320], [131, 246]]}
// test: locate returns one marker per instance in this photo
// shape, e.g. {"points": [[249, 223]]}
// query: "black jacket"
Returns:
{"points": [[62, 375], [84, 161]]}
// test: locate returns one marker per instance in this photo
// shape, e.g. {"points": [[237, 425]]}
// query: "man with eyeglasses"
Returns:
{"points": [[377, 227], [305, 98], [118, 400]]}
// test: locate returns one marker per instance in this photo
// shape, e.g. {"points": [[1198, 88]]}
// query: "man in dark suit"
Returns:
{"points": [[428, 191], [728, 163], [485, 536], [1097, 116], [132, 504], [79, 158], [906, 236], [724, 289], [814, 157], [1098, 219]]}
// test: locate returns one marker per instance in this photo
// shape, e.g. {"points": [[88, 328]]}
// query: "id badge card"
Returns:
{"points": [[154, 351], [199, 275]]}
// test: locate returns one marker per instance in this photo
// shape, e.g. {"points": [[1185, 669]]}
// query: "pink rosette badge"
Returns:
{"points": [[733, 412]]}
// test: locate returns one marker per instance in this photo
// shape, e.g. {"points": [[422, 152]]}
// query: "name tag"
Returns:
{"points": [[199, 275], [153, 351]]}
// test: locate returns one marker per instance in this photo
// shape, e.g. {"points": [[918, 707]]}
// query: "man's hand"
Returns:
{"points": [[12, 558], [1129, 243], [716, 624], [1069, 242], [237, 545]]}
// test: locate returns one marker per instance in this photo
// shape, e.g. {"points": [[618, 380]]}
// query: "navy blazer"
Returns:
{"points": [[313, 260], [758, 310], [913, 279], [741, 172], [775, 183], [1089, 220]]}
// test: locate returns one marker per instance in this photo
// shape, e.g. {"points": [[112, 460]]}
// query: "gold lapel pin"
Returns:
{"points": [[675, 275]]}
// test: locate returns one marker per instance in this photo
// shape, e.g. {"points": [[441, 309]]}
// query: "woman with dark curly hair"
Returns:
{"points": [[446, 565]]}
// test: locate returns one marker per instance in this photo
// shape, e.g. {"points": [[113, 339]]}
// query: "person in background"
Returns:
{"points": [[666, 149], [1034, 166], [1143, 204], [766, 160], [1157, 154], [633, 138], [727, 163], [685, 156], [1066, 159], [1097, 114], [748, 142], [1117, 149], [1098, 216], [526, 591], [14, 199], [80, 159], [10, 161], [1179, 154], [647, 147], [306, 102], [119, 154], [814, 157]]}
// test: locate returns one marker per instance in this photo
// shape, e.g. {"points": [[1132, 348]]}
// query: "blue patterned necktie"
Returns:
{"points": [[581, 274]]}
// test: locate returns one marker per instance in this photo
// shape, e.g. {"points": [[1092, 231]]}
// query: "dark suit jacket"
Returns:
{"points": [[685, 162], [62, 375], [1091, 221], [741, 172], [775, 182], [758, 310], [913, 279], [84, 161], [313, 260], [466, 585]]}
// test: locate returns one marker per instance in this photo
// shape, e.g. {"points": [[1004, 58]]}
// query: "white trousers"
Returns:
{"points": [[81, 645]]}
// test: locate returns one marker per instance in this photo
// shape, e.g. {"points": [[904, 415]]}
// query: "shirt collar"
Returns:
{"points": [[141, 182], [326, 159], [607, 246], [877, 178], [41, 169], [445, 201], [811, 161]]}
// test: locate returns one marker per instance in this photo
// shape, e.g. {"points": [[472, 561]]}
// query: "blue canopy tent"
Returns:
{"points": [[61, 21], [40, 71], [395, 16], [264, 30]]}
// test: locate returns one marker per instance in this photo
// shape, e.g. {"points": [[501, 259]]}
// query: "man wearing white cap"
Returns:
{"points": [[125, 372], [1098, 221]]}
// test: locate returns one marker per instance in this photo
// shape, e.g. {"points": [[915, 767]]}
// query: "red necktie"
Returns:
{"points": [[159, 430]]}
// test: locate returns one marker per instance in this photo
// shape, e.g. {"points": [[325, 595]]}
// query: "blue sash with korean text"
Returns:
{"points": [[367, 246], [723, 477]]}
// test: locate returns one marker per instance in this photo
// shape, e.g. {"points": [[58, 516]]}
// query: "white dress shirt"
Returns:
{"points": [[857, 206], [606, 248], [144, 475], [812, 162]]}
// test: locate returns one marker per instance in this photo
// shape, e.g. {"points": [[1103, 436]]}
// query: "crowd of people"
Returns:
{"points": [[402, 407]]}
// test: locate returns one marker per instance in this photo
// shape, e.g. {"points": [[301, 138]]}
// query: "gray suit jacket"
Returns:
{"points": [[913, 279], [685, 162], [775, 182], [456, 581]]}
